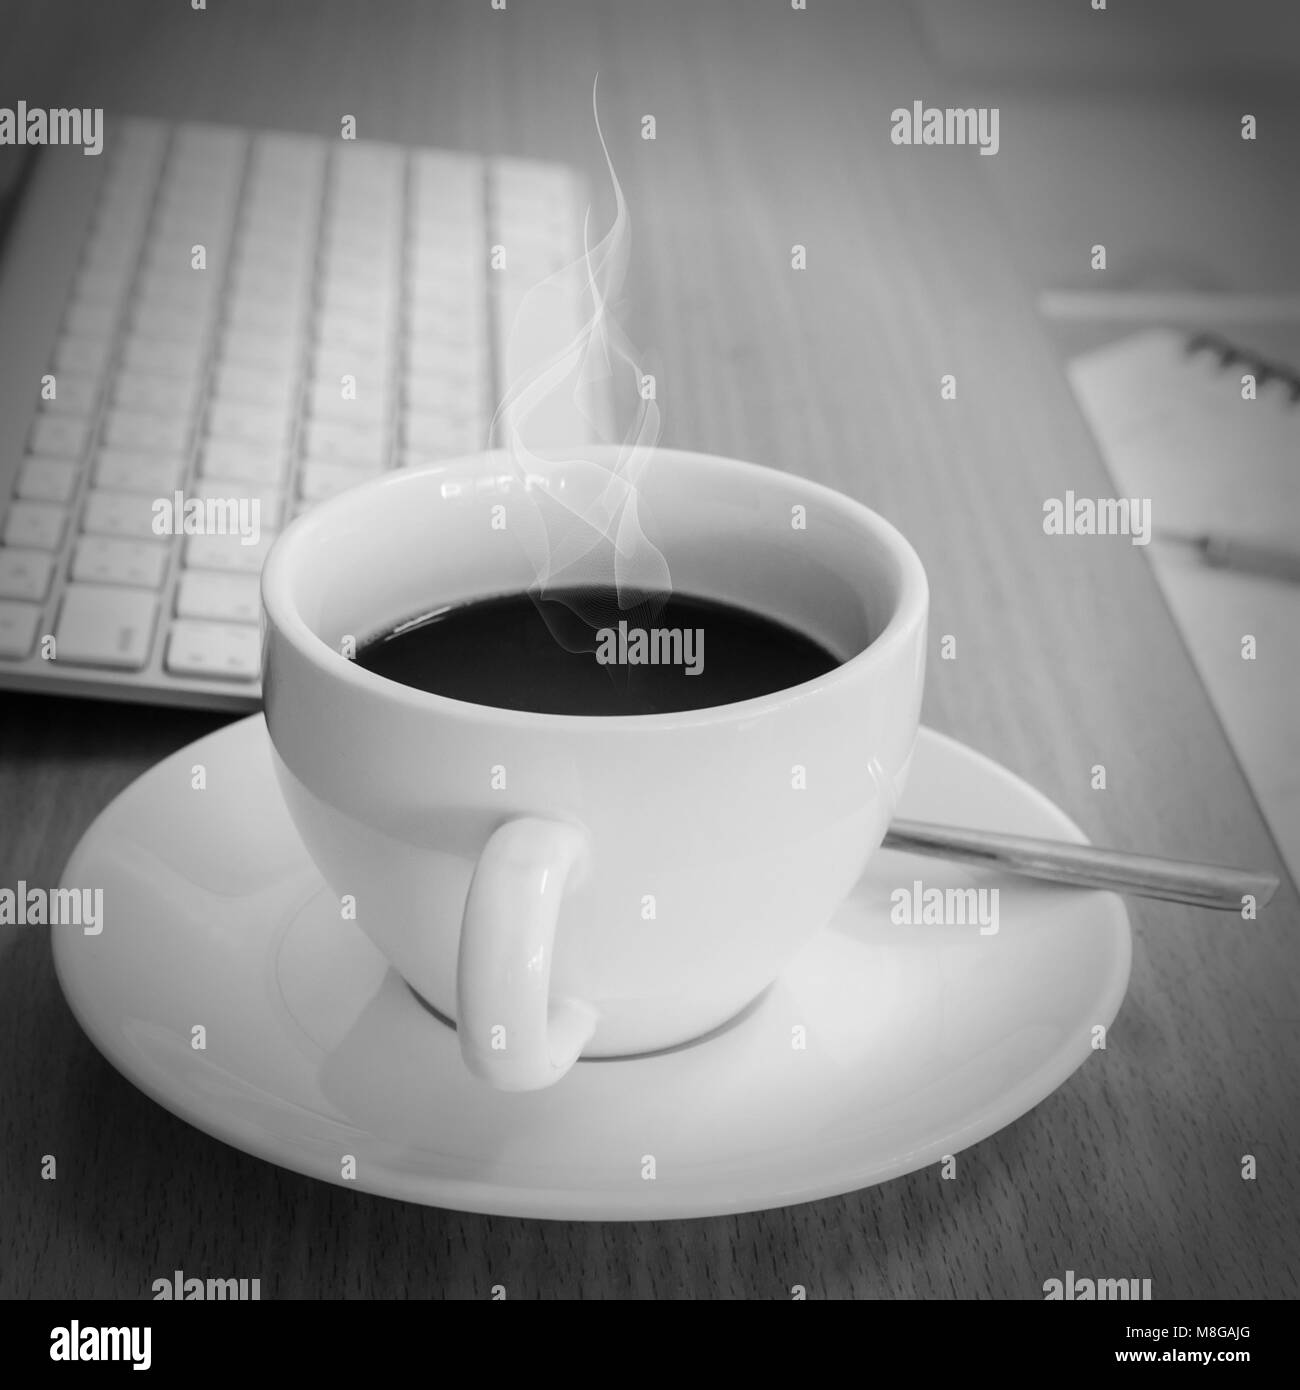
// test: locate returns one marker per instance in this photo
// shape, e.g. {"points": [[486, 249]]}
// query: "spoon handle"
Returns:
{"points": [[1084, 866]]}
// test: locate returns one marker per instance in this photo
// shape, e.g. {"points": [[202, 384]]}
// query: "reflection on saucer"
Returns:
{"points": [[881, 1048]]}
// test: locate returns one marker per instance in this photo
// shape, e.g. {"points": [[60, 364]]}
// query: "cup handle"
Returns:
{"points": [[512, 1034]]}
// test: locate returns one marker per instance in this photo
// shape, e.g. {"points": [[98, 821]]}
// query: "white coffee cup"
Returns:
{"points": [[566, 885]]}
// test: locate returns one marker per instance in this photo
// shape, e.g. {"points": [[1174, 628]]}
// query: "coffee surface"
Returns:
{"points": [[578, 652]]}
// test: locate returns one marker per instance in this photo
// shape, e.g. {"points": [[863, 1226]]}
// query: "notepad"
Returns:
{"points": [[1175, 421]]}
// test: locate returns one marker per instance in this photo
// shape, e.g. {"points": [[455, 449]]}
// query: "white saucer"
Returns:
{"points": [[920, 1040]]}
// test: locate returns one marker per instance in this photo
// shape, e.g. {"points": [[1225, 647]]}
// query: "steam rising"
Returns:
{"points": [[566, 357]]}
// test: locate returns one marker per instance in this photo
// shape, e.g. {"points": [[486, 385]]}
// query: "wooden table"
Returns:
{"points": [[772, 130]]}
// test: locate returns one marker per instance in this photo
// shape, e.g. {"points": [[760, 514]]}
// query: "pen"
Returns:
{"points": [[1247, 557], [1191, 308]]}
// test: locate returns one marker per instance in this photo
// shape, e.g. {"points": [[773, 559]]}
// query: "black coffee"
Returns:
{"points": [[577, 652]]}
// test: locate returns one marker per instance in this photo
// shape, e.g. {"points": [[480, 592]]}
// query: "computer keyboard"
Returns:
{"points": [[233, 316]]}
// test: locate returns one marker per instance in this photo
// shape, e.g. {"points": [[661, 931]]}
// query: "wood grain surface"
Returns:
{"points": [[772, 129]]}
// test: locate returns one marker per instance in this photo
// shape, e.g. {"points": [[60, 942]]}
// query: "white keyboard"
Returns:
{"points": [[234, 316]]}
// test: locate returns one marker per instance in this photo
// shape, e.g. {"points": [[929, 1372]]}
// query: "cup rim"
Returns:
{"points": [[280, 611]]}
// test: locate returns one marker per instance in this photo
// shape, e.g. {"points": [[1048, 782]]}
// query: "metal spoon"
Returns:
{"points": [[1084, 866]]}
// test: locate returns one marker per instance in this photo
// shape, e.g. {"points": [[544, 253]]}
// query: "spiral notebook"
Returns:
{"points": [[1210, 432]]}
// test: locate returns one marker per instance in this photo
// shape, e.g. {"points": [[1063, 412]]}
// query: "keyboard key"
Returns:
{"points": [[255, 277], [348, 274], [18, 624], [456, 220], [245, 462], [451, 344], [48, 479], [132, 429], [442, 435], [186, 206], [287, 150], [206, 146], [292, 180], [191, 291], [122, 470], [100, 285], [359, 446], [124, 206], [127, 514], [187, 214], [278, 205], [75, 393], [171, 324], [465, 415], [285, 254], [106, 626], [275, 251], [245, 348], [338, 332], [331, 364], [25, 574], [204, 184], [86, 319], [75, 353], [369, 406], [450, 323], [227, 554], [234, 598], [110, 253], [156, 355], [156, 393], [64, 436], [275, 398], [427, 457], [239, 489], [280, 311], [119, 226], [247, 424], [129, 185], [196, 210], [374, 251], [439, 169], [361, 198], [445, 272], [372, 262], [274, 211], [138, 138], [319, 479], [35, 525], [103, 560], [450, 319], [124, 202], [225, 650], [266, 316], [358, 298], [260, 386], [429, 393], [445, 361], [281, 200], [202, 153]]}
